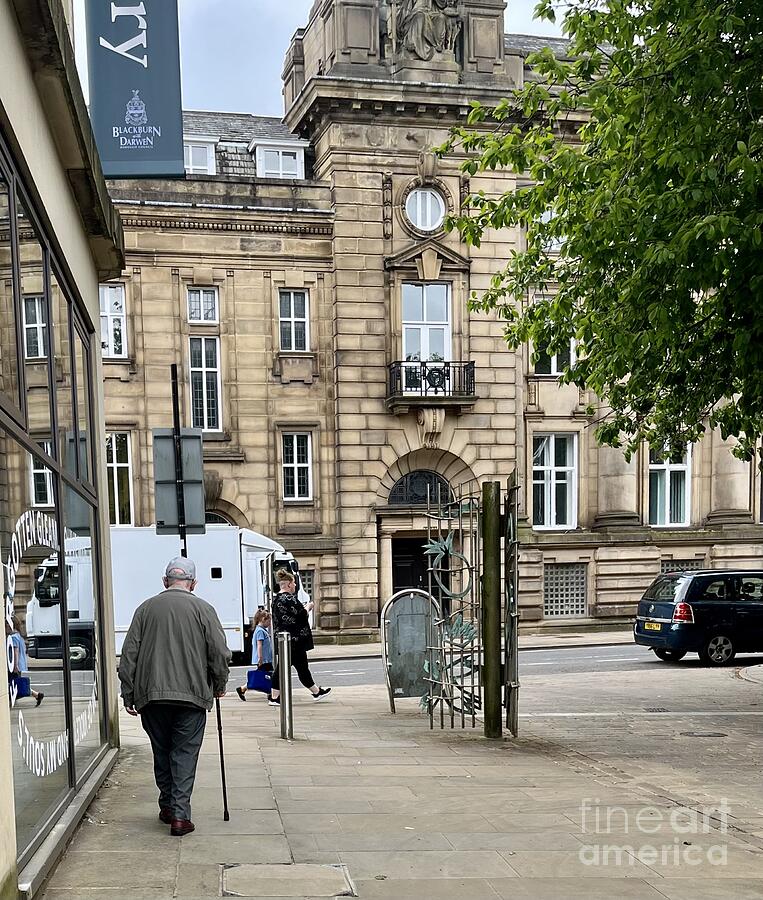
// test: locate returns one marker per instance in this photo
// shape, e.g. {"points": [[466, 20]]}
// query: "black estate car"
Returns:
{"points": [[715, 613]]}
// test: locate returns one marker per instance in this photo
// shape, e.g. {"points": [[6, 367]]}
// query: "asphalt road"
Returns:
{"points": [[569, 660]]}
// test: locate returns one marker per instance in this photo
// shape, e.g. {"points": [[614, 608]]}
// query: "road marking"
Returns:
{"points": [[346, 673]]}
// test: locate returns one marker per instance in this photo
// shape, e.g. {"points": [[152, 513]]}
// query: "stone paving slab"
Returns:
{"points": [[414, 813]]}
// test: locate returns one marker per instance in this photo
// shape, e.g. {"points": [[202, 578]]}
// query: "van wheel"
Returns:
{"points": [[718, 651], [670, 655]]}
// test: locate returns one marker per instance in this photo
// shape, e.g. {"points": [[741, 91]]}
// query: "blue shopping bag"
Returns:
{"points": [[258, 680], [23, 686]]}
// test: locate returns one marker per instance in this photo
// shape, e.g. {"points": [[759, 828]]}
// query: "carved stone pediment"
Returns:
{"points": [[429, 257]]}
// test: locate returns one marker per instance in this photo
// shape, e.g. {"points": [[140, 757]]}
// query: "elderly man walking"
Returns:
{"points": [[174, 663]]}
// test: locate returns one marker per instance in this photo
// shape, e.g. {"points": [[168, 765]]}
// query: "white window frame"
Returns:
{"points": [[204, 370], [42, 469], [202, 290], [556, 368], [112, 474], [420, 209], [204, 142], [546, 474], [108, 318], [425, 325], [40, 326], [279, 147], [669, 468], [292, 436], [292, 319]]}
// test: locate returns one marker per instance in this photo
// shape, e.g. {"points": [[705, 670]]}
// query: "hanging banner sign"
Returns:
{"points": [[134, 71]]}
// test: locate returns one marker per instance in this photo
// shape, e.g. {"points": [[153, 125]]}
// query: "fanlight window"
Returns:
{"points": [[411, 489]]}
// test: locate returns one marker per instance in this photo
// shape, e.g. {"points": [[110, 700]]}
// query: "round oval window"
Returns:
{"points": [[425, 209]]}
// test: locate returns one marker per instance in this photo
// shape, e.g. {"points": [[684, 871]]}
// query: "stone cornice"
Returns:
{"points": [[362, 99], [229, 225]]}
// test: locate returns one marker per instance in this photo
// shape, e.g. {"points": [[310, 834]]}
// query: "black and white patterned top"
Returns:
{"points": [[289, 615]]}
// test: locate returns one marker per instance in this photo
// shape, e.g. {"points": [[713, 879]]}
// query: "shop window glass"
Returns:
{"points": [[40, 748], [63, 374], [82, 618], [82, 374], [9, 360], [34, 293]]}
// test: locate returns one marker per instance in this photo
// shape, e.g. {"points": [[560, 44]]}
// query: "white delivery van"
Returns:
{"points": [[235, 569]]}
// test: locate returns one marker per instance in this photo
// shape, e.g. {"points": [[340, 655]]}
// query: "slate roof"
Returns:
{"points": [[240, 127], [531, 43]]}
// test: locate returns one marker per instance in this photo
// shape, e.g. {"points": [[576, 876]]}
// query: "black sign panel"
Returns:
{"points": [[134, 72]]}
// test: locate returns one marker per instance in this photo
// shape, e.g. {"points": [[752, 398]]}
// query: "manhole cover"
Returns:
{"points": [[655, 709], [297, 880], [703, 734]]}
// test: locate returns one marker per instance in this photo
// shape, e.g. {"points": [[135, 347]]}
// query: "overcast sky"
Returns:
{"points": [[232, 51]]}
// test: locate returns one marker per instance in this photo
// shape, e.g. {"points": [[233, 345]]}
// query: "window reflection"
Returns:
{"points": [[9, 363], [40, 739], [63, 374], [82, 619], [34, 294]]}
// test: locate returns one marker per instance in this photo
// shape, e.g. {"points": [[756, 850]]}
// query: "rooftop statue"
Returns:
{"points": [[426, 27]]}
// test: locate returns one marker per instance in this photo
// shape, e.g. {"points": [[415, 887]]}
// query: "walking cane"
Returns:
{"points": [[226, 814]]}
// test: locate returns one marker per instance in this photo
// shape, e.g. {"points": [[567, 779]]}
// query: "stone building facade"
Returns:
{"points": [[301, 276]]}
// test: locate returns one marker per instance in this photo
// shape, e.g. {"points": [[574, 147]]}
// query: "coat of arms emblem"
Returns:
{"points": [[136, 111]]}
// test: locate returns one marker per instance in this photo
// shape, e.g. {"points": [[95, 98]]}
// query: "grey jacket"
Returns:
{"points": [[174, 651]]}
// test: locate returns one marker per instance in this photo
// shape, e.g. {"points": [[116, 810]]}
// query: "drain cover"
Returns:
{"points": [[703, 734], [655, 709], [297, 880]]}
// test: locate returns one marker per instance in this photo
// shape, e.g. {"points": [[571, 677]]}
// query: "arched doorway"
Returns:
{"points": [[416, 491]]}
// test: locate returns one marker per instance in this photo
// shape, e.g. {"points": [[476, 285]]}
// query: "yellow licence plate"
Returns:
{"points": [[652, 626]]}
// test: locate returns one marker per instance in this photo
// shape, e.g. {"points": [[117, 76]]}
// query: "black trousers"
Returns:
{"points": [[176, 732], [299, 661]]}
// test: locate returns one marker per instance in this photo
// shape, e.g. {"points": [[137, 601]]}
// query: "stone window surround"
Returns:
{"points": [[295, 365], [201, 288], [110, 316], [415, 184], [203, 336], [208, 278], [312, 428], [692, 496], [545, 429], [459, 326], [114, 364]]}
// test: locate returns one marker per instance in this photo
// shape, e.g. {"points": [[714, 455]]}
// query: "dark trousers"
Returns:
{"points": [[299, 661], [176, 732]]}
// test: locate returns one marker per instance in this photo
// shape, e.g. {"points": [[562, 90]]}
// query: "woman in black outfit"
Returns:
{"points": [[289, 615]]}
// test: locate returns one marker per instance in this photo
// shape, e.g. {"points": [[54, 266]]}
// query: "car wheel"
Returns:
{"points": [[670, 655], [718, 651]]}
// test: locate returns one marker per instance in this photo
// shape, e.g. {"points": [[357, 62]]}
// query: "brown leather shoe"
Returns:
{"points": [[165, 815], [179, 827]]}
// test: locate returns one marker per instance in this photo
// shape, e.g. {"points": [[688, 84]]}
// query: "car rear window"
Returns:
{"points": [[664, 588]]}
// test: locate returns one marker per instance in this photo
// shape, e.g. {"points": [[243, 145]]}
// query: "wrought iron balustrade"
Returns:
{"points": [[431, 379]]}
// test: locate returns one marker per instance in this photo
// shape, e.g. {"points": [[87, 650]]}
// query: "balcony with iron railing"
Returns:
{"points": [[446, 384]]}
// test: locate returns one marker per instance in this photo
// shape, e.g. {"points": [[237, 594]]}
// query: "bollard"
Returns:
{"points": [[284, 669], [491, 607]]}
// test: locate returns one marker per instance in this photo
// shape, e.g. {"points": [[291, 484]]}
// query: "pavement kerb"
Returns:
{"points": [[350, 651], [753, 674]]}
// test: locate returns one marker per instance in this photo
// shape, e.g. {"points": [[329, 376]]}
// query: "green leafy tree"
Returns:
{"points": [[644, 154]]}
